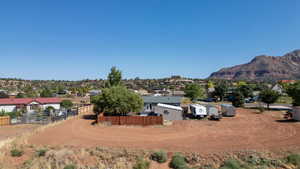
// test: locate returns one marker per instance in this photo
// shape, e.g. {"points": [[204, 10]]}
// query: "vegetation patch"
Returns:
{"points": [[16, 152], [294, 159], [160, 156], [178, 162], [141, 164], [234, 164], [41, 152], [70, 166]]}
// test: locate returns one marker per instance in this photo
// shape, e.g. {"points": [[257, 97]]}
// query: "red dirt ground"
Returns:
{"points": [[247, 131]]}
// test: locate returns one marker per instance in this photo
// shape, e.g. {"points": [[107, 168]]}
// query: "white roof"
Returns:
{"points": [[198, 105], [169, 106]]}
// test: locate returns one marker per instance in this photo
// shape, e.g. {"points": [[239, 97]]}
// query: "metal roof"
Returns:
{"points": [[17, 101], [169, 106]]}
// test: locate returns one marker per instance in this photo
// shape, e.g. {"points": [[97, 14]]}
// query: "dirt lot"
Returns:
{"points": [[248, 130], [15, 130]]}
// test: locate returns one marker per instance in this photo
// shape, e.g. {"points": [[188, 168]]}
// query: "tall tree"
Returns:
{"points": [[117, 100], [238, 99], [246, 90], [114, 77], [269, 96], [220, 90], [67, 104], [194, 91]]}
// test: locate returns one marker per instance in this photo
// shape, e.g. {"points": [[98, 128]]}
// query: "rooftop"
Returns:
{"points": [[18, 101]]}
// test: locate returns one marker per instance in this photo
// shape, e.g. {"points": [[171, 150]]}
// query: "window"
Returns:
{"points": [[166, 112]]}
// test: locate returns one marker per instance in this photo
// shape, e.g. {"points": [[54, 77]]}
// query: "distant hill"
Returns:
{"points": [[264, 68]]}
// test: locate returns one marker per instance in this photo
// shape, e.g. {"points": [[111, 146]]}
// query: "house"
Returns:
{"points": [[278, 88], [151, 101], [288, 81], [142, 92], [178, 93], [94, 92], [30, 104], [169, 112], [12, 95]]}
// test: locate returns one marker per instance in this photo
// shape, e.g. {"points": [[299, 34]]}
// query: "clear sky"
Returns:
{"points": [[76, 39]]}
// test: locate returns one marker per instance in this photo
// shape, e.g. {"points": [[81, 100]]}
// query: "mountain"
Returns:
{"points": [[264, 68]]}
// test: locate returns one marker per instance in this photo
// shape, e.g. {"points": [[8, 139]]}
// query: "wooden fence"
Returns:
{"points": [[132, 120], [85, 109], [4, 120]]}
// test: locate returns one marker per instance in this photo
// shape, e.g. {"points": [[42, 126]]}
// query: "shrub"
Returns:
{"points": [[178, 162], [233, 164], [41, 152], [141, 164], [16, 152], [70, 166], [261, 109], [294, 159], [159, 156]]}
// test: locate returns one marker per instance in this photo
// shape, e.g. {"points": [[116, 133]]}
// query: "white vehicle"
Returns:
{"points": [[198, 110]]}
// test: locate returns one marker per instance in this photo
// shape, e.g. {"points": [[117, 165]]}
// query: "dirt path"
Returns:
{"points": [[246, 131]]}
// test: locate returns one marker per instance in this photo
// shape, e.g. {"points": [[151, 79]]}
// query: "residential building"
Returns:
{"points": [[30, 104], [151, 101], [278, 88]]}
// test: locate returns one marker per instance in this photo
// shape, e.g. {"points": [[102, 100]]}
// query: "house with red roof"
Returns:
{"points": [[30, 104]]}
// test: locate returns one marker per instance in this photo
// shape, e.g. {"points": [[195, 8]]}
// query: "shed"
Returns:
{"points": [[169, 112]]}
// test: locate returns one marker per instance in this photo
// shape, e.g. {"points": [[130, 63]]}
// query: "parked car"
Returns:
{"points": [[210, 99], [251, 99]]}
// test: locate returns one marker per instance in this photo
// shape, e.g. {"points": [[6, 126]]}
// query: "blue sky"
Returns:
{"points": [[73, 40]]}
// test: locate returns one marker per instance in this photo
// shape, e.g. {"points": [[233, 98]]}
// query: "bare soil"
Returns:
{"points": [[247, 131]]}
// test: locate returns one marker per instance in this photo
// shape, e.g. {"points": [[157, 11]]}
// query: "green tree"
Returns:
{"points": [[20, 95], [220, 90], [194, 91], [117, 100], [241, 83], [29, 92], [238, 99], [293, 91], [46, 93], [269, 96], [114, 77], [210, 84], [246, 90], [67, 104], [49, 109]]}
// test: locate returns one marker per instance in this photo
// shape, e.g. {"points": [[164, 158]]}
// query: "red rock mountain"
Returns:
{"points": [[264, 68]]}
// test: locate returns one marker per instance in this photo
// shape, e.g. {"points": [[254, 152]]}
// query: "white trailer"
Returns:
{"points": [[198, 110], [228, 110]]}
